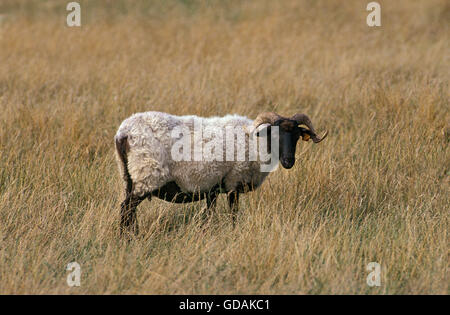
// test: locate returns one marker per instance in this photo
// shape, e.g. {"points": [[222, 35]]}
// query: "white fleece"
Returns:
{"points": [[150, 162]]}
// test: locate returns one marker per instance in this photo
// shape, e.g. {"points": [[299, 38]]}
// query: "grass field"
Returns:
{"points": [[376, 190]]}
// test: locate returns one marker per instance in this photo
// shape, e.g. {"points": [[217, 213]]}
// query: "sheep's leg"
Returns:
{"points": [[128, 221], [233, 202], [211, 201]]}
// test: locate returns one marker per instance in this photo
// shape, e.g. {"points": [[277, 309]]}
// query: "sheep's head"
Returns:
{"points": [[290, 130]]}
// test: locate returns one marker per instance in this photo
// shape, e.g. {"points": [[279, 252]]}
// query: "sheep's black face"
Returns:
{"points": [[289, 133]]}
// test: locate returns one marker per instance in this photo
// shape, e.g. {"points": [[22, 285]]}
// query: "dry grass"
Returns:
{"points": [[376, 190]]}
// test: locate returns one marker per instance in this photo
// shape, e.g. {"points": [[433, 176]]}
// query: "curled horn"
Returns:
{"points": [[302, 119], [266, 118]]}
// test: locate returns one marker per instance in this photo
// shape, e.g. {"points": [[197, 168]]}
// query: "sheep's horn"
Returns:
{"points": [[266, 118], [302, 119], [325, 134]]}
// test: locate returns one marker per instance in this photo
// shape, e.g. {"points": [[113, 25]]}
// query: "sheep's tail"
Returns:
{"points": [[122, 148]]}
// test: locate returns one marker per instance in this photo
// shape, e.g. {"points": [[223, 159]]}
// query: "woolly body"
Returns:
{"points": [[150, 164]]}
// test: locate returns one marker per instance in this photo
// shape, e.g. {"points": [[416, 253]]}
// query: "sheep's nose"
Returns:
{"points": [[288, 162]]}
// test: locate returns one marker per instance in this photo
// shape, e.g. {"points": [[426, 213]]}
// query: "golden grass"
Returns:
{"points": [[376, 190]]}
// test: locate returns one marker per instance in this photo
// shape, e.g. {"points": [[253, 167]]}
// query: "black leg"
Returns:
{"points": [[211, 200], [233, 202], [128, 221]]}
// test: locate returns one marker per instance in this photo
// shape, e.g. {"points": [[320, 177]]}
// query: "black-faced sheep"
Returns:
{"points": [[219, 156]]}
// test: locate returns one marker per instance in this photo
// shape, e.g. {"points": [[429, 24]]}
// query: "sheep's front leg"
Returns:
{"points": [[233, 202], [211, 201], [128, 221]]}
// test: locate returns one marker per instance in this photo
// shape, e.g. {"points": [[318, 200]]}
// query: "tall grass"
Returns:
{"points": [[377, 189]]}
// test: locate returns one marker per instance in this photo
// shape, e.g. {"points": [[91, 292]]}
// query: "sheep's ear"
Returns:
{"points": [[262, 130]]}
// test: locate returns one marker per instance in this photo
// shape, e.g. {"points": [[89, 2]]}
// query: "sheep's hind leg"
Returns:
{"points": [[233, 202], [128, 220]]}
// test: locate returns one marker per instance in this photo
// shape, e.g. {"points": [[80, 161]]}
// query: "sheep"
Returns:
{"points": [[146, 144]]}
